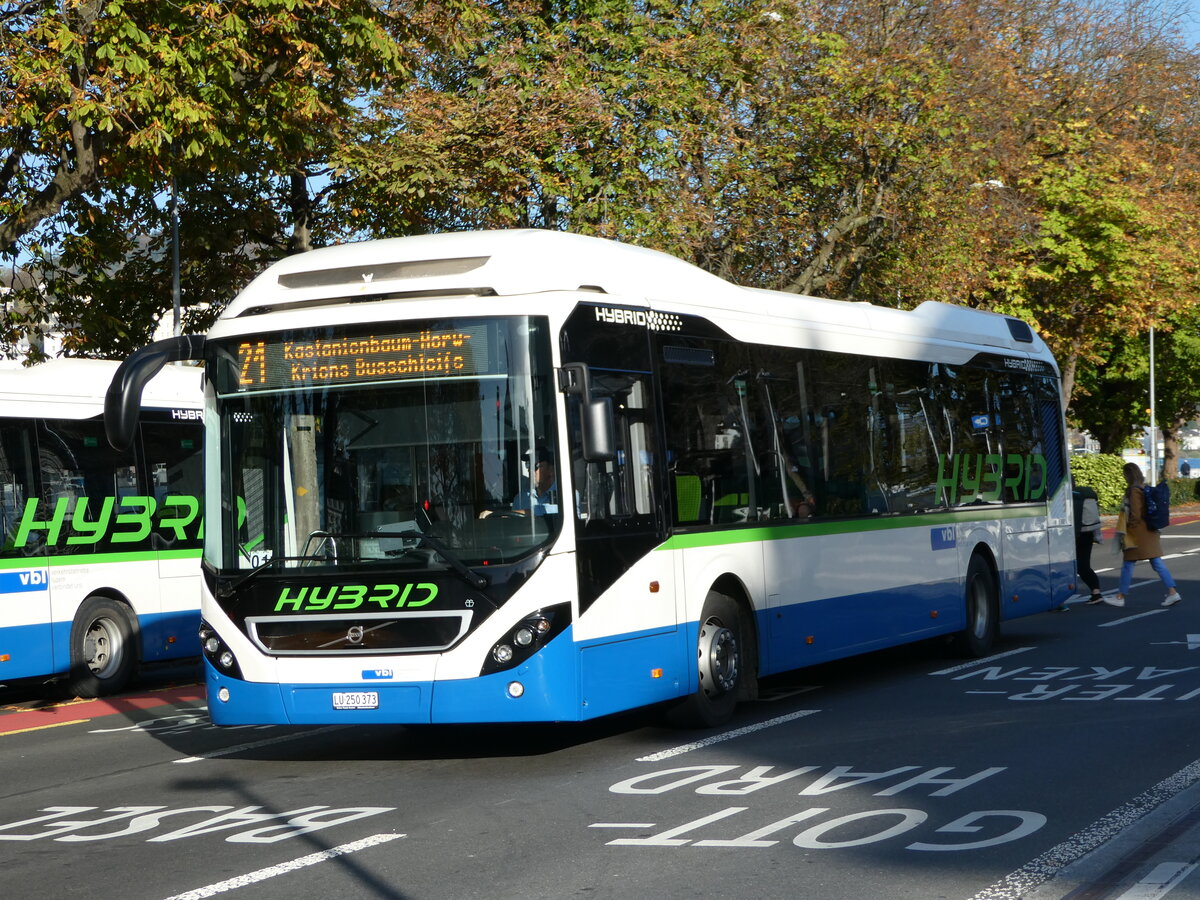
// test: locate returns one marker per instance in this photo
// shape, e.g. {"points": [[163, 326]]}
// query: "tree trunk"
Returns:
{"points": [[1068, 366], [301, 203], [1170, 461]]}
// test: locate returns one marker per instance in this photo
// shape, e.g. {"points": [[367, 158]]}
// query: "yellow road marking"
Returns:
{"points": [[44, 727]]}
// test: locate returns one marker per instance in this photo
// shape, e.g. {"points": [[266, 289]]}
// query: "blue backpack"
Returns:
{"points": [[1158, 506]]}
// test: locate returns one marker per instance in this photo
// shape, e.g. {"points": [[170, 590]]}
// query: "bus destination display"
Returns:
{"points": [[316, 362]]}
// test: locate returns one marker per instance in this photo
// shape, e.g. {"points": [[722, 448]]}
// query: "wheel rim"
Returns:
{"points": [[102, 647], [979, 611], [718, 659]]}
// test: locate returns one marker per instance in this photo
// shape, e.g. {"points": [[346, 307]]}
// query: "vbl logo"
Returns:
{"points": [[31, 578]]}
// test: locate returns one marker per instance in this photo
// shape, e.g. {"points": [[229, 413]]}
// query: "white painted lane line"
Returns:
{"points": [[725, 736], [1042, 868], [981, 662], [1122, 621], [1159, 882], [283, 868], [254, 745]]}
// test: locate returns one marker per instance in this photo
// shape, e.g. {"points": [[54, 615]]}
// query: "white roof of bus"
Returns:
{"points": [[75, 388], [535, 261]]}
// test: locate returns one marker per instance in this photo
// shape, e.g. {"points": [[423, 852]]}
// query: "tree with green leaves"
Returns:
{"points": [[103, 104], [93, 91]]}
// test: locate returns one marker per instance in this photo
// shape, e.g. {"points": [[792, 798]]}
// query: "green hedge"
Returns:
{"points": [[1184, 490], [1102, 473]]}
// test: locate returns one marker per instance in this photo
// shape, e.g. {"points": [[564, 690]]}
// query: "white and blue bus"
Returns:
{"points": [[100, 555], [535, 476]]}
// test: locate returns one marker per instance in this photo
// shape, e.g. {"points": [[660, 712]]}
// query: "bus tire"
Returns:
{"points": [[103, 648], [720, 666], [983, 610]]}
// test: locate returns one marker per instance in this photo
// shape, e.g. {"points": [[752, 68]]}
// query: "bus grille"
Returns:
{"points": [[411, 632]]}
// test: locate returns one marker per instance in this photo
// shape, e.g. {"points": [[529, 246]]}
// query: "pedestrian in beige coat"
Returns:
{"points": [[1137, 540]]}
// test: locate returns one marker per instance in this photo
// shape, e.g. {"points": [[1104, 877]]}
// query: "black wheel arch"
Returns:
{"points": [[731, 586]]}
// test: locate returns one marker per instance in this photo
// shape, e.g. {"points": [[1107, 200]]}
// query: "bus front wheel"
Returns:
{"points": [[983, 610], [103, 648], [719, 666]]}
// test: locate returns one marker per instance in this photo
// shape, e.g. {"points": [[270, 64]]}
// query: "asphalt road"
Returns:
{"points": [[1067, 764]]}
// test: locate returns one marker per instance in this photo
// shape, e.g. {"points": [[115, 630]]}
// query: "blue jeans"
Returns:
{"points": [[1159, 567]]}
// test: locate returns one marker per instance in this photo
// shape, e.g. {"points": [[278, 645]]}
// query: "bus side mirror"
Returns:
{"points": [[123, 400], [599, 424]]}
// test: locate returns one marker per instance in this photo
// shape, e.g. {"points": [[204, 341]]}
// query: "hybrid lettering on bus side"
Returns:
{"points": [[980, 475], [175, 513]]}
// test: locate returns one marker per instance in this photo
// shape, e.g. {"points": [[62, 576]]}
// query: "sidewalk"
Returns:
{"points": [[1180, 515]]}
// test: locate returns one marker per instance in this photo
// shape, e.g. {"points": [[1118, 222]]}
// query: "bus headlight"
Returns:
{"points": [[526, 638], [217, 653]]}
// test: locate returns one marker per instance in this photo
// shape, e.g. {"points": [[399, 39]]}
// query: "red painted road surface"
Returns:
{"points": [[15, 719]]}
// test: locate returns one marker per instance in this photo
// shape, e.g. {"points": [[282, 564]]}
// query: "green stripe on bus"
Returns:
{"points": [[811, 527], [87, 559]]}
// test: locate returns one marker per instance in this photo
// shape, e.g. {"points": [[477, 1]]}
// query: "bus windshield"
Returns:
{"points": [[417, 445]]}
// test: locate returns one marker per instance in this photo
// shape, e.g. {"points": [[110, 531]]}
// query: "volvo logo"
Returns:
{"points": [[355, 634]]}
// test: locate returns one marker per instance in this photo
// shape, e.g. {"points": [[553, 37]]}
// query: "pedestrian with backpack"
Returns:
{"points": [[1087, 533], [1138, 540]]}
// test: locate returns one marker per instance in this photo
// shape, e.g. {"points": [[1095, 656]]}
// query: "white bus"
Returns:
{"points": [[535, 476], [100, 556]]}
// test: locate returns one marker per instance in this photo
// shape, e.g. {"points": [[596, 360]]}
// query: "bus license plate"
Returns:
{"points": [[355, 699]]}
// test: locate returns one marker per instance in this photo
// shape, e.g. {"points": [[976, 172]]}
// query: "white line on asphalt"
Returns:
{"points": [[254, 745], [1044, 867], [981, 662], [283, 868], [725, 736], [1141, 615], [1159, 882]]}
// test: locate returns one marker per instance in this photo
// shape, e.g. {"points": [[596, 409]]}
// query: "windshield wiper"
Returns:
{"points": [[472, 577], [225, 589]]}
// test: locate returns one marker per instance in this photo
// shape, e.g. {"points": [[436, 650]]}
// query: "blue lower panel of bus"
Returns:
{"points": [[36, 651], [569, 681], [563, 682], [30, 651], [805, 634], [172, 635]]}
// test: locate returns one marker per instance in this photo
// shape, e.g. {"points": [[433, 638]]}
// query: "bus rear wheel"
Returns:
{"points": [[103, 648], [983, 610], [719, 666]]}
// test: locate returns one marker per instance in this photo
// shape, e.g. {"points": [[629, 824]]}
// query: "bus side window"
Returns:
{"points": [[711, 435], [842, 421], [16, 484], [907, 436], [971, 398], [622, 488], [78, 463], [176, 473], [785, 472]]}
